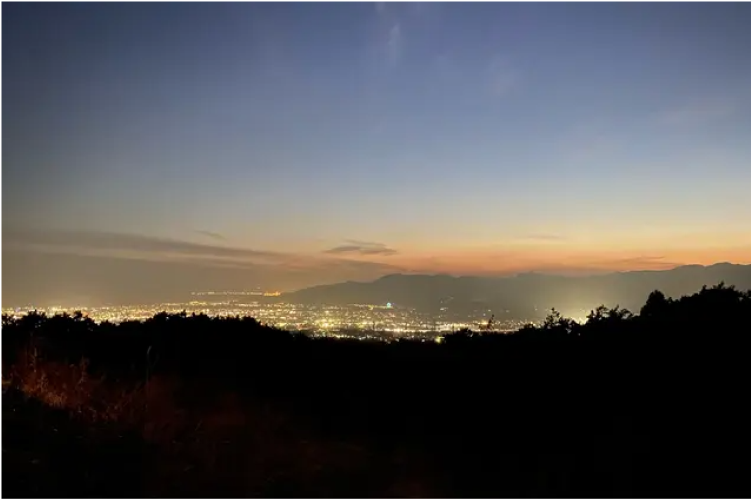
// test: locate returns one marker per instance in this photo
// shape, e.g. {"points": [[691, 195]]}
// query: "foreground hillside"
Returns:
{"points": [[645, 405]]}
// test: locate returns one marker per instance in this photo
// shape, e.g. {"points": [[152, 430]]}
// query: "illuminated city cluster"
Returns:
{"points": [[236, 293], [352, 321]]}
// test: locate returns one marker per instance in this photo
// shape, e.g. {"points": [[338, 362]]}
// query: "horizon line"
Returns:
{"points": [[572, 274]]}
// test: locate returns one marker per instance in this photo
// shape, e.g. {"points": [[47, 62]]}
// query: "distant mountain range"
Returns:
{"points": [[525, 295]]}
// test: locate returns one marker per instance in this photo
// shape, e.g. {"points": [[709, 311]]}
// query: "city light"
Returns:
{"points": [[362, 321]]}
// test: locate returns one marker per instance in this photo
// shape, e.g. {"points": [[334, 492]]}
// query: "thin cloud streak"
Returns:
{"points": [[362, 248], [389, 38], [641, 262], [212, 235], [112, 241], [140, 247], [394, 44]]}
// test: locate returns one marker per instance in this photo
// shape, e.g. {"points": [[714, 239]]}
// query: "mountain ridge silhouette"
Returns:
{"points": [[524, 294]]}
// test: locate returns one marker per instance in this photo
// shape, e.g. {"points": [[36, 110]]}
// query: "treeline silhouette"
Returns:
{"points": [[647, 404]]}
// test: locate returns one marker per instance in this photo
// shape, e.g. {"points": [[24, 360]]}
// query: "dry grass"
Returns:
{"points": [[244, 447], [70, 387]]}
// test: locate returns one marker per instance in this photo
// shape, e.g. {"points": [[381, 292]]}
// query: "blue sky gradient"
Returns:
{"points": [[456, 135]]}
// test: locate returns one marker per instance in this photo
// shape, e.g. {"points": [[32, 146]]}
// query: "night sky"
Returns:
{"points": [[291, 144]]}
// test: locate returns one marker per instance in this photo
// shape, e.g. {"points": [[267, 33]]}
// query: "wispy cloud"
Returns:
{"points": [[640, 262], [362, 248], [93, 268], [147, 248], [111, 241], [396, 29], [388, 42], [394, 44], [212, 235]]}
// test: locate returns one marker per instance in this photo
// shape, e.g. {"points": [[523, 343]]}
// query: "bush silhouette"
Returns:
{"points": [[623, 404]]}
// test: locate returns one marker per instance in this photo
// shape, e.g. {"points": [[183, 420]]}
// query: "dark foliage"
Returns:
{"points": [[652, 404]]}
